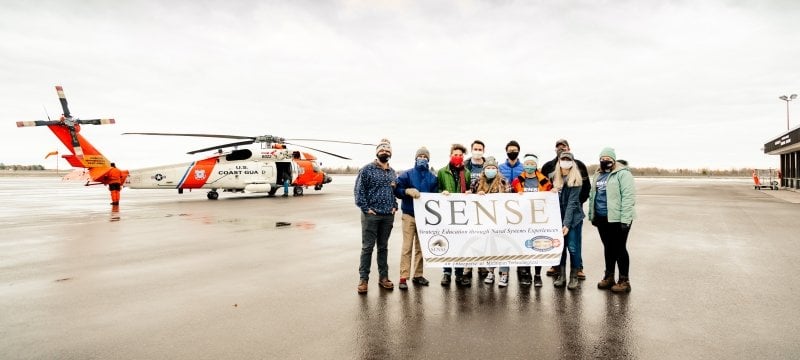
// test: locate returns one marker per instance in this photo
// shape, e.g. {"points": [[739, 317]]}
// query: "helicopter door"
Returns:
{"points": [[284, 169]]}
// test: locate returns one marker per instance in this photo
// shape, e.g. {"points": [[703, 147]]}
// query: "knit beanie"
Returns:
{"points": [[490, 161], [423, 151], [385, 145], [609, 152]]}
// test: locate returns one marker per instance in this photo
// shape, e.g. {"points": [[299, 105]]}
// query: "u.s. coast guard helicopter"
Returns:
{"points": [[257, 169]]}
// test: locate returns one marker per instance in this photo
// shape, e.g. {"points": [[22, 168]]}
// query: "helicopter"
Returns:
{"points": [[262, 169]]}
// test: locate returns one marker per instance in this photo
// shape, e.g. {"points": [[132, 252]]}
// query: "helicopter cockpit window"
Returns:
{"points": [[242, 154]]}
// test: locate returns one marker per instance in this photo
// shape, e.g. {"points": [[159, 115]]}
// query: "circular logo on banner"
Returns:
{"points": [[542, 243], [438, 245]]}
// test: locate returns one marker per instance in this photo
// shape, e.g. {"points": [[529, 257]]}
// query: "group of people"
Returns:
{"points": [[610, 192]]}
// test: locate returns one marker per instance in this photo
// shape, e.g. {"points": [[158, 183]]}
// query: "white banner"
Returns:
{"points": [[470, 230]]}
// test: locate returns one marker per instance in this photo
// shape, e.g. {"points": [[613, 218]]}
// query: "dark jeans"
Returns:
{"points": [[375, 230], [527, 270], [448, 271], [572, 245], [615, 239]]}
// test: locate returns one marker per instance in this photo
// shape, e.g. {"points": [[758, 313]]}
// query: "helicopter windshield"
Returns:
{"points": [[242, 154]]}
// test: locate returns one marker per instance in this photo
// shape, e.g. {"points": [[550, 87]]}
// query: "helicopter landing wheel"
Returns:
{"points": [[212, 195], [298, 191]]}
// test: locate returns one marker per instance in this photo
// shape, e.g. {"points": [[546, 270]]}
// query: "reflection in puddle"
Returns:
{"points": [[114, 213], [305, 225]]}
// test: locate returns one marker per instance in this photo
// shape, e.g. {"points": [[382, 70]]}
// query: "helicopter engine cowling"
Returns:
{"points": [[257, 188]]}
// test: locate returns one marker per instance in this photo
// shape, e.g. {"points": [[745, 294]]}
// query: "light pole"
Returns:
{"points": [[787, 99]]}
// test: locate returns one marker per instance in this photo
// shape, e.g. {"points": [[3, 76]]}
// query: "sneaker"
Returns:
{"points": [[581, 275], [606, 283], [524, 279], [622, 286], [466, 280], [503, 280], [363, 287], [386, 284], [419, 280], [402, 285], [445, 279], [489, 278], [552, 271], [537, 281], [458, 280]]}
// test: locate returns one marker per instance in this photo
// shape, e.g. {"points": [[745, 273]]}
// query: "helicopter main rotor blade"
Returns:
{"points": [[247, 142], [193, 135], [322, 151], [63, 99], [37, 123], [334, 141], [96, 121]]}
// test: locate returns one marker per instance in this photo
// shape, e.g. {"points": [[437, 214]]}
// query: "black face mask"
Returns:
{"points": [[384, 158], [606, 164], [513, 155]]}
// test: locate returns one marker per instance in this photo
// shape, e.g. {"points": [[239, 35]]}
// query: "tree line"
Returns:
{"points": [[637, 171], [21, 167]]}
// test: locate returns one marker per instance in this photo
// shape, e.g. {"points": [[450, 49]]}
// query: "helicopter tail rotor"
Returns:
{"points": [[72, 125]]}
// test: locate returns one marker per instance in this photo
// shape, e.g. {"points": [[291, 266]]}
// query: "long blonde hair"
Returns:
{"points": [[573, 177]]}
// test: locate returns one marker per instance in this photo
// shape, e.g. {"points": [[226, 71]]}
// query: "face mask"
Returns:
{"points": [[490, 173], [384, 158], [513, 155], [477, 154], [530, 169], [422, 163], [565, 164], [606, 164], [457, 161]]}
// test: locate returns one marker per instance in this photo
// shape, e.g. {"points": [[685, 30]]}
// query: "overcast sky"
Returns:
{"points": [[671, 84]]}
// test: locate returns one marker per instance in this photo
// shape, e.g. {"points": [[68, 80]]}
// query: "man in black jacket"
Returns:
{"points": [[548, 169]]}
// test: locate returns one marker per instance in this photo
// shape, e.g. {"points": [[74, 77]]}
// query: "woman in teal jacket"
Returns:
{"points": [[611, 210]]}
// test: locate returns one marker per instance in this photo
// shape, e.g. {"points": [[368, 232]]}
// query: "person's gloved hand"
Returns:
{"points": [[414, 193]]}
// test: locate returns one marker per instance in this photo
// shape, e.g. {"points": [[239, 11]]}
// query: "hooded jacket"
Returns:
{"points": [[620, 193]]}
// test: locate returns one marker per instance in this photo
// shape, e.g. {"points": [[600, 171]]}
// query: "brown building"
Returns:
{"points": [[788, 147]]}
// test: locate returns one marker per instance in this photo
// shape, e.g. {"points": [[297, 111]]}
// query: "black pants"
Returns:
{"points": [[615, 240]]}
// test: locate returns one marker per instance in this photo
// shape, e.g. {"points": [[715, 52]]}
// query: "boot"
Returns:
{"points": [[552, 271], [561, 280], [573, 279], [622, 286], [607, 282], [363, 286]]}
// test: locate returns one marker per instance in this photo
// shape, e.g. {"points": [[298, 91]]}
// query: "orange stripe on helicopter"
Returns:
{"points": [[91, 156], [197, 174]]}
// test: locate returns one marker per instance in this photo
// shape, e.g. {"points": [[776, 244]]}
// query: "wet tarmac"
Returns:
{"points": [[181, 277]]}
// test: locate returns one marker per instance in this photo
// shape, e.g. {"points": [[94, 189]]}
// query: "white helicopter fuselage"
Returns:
{"points": [[239, 170]]}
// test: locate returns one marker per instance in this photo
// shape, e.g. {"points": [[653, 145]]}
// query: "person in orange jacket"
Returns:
{"points": [[114, 180], [531, 180]]}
